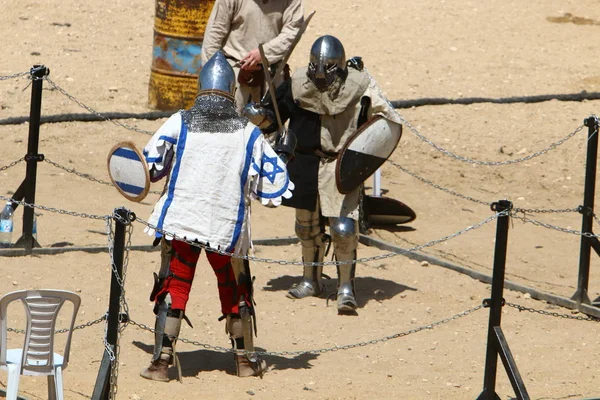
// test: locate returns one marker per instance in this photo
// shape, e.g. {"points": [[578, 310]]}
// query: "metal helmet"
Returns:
{"points": [[217, 74], [327, 61]]}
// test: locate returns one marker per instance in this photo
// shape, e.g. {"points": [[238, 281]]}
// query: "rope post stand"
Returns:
{"points": [[587, 211], [497, 344], [122, 217], [27, 188]]}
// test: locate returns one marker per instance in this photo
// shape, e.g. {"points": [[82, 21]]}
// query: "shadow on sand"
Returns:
{"points": [[197, 361], [367, 288]]}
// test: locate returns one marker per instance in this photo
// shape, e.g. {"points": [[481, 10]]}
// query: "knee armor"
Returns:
{"points": [[344, 235]]}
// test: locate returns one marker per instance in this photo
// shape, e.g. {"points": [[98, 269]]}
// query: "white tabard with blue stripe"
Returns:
{"points": [[212, 178]]}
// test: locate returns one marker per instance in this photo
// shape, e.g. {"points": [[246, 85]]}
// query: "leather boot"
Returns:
{"points": [[245, 367], [158, 369], [246, 363]]}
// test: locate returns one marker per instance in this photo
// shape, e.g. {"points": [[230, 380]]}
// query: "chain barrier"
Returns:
{"points": [[414, 130], [79, 174], [326, 349], [18, 74], [85, 176], [552, 146], [115, 350], [553, 314], [82, 105], [363, 225], [553, 227], [545, 210], [452, 192], [595, 218], [82, 326], [436, 186], [55, 210], [12, 164], [431, 243], [110, 349]]}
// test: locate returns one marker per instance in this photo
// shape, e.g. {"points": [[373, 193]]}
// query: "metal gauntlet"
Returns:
{"points": [[260, 116], [286, 146]]}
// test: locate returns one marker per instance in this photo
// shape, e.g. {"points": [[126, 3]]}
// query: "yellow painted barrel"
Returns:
{"points": [[179, 27]]}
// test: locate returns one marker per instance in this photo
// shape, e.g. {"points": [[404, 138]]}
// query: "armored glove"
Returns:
{"points": [[260, 116], [285, 146]]}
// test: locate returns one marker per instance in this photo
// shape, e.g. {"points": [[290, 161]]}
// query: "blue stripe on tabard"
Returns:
{"points": [[174, 175], [154, 159], [127, 153], [242, 204], [127, 188], [167, 139]]}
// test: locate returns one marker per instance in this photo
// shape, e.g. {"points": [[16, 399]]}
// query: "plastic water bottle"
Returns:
{"points": [[6, 226], [34, 229]]}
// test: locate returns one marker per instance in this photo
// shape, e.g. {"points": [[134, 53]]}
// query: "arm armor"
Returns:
{"points": [[286, 146], [260, 116], [156, 175], [263, 114]]}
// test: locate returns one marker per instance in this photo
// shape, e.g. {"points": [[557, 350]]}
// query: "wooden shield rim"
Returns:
{"points": [[349, 142], [130, 145]]}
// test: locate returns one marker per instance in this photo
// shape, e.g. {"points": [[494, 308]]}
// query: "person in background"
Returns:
{"points": [[239, 26]]}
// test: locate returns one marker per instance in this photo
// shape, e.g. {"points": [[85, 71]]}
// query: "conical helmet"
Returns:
{"points": [[217, 74]]}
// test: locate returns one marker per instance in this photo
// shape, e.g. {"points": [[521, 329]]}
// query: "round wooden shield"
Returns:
{"points": [[128, 171]]}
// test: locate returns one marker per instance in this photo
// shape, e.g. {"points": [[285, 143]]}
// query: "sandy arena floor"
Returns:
{"points": [[99, 52]]}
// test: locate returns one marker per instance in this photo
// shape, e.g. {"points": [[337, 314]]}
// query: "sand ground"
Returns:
{"points": [[100, 54]]}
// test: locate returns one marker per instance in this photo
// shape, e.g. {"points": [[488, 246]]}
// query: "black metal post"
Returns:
{"points": [[38, 72], [497, 344], [587, 211], [102, 388]]}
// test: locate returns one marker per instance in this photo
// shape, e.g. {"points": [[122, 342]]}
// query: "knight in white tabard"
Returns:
{"points": [[215, 162], [239, 26], [325, 103]]}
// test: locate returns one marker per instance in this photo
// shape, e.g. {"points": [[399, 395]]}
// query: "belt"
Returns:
{"points": [[327, 155]]}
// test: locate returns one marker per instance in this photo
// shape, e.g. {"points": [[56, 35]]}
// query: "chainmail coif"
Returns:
{"points": [[213, 113]]}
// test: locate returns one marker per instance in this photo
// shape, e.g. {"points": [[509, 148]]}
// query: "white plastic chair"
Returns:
{"points": [[37, 356]]}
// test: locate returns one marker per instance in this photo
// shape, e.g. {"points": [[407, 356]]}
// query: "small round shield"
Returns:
{"points": [[128, 171]]}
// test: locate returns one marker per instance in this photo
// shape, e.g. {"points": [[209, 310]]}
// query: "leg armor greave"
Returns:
{"points": [[308, 230], [166, 329], [240, 327], [345, 242]]}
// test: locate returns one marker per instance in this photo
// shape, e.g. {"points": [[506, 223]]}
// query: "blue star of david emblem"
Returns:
{"points": [[272, 171]]}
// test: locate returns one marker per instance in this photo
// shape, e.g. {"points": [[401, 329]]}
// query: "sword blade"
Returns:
{"points": [[270, 86], [285, 59]]}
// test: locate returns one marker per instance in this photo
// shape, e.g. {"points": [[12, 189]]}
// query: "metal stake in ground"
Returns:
{"points": [[587, 211], [497, 344], [122, 217], [27, 241]]}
